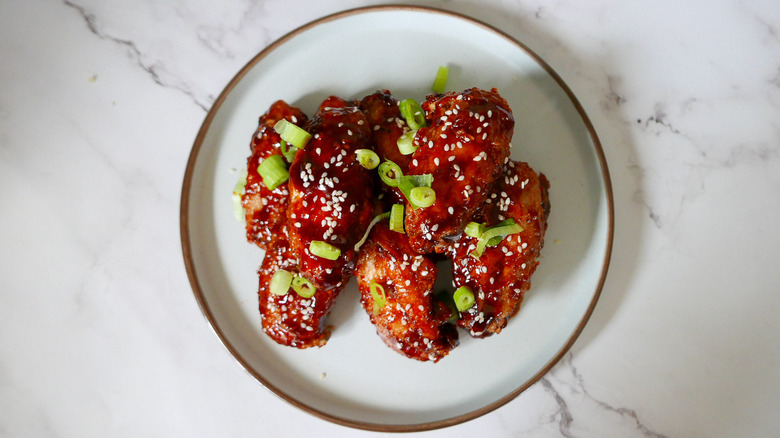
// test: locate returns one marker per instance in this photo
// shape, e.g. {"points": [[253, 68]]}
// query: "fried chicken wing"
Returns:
{"points": [[502, 275], [330, 192], [464, 148], [266, 209], [291, 319], [412, 321], [387, 125]]}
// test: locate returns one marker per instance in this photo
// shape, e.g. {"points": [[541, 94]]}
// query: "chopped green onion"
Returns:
{"points": [[280, 282], [424, 180], [273, 171], [406, 143], [488, 238], [412, 113], [374, 221], [324, 250], [292, 134], [397, 218], [238, 190], [367, 158], [390, 173], [408, 183], [440, 83], [303, 287], [422, 196], [464, 298], [378, 294], [288, 152], [474, 229]]}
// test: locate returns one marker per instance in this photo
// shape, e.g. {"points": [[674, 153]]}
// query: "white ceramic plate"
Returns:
{"points": [[355, 379]]}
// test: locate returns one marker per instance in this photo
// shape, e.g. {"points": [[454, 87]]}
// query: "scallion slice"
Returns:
{"points": [[397, 218], [464, 298], [424, 180], [408, 183], [378, 294], [406, 143], [324, 250], [390, 173], [238, 191], [474, 229], [413, 113], [288, 151], [488, 238], [422, 196], [273, 171], [303, 287], [440, 83], [374, 221], [280, 282], [292, 134], [367, 158]]}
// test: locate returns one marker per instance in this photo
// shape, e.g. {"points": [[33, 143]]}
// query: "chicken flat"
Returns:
{"points": [[411, 320], [266, 210], [387, 125], [501, 275], [291, 319]]}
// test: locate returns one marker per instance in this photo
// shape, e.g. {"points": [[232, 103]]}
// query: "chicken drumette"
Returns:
{"points": [[464, 148], [501, 275], [266, 209], [330, 193], [411, 320]]}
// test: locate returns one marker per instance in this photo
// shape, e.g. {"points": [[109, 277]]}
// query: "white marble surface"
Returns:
{"points": [[100, 334]]}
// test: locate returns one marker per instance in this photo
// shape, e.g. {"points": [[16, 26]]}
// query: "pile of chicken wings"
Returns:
{"points": [[331, 197]]}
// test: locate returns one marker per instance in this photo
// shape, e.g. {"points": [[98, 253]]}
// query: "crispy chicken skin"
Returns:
{"points": [[291, 319], [330, 192], [501, 276], [412, 321], [464, 148], [266, 209]]}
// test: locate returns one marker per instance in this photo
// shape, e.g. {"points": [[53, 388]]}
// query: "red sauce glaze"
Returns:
{"points": [[464, 148], [291, 319], [266, 209], [501, 276], [412, 321], [330, 192]]}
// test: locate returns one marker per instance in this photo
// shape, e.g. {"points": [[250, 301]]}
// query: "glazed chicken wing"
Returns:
{"points": [[291, 319], [330, 193], [502, 274], [266, 209], [464, 148], [411, 321], [387, 125]]}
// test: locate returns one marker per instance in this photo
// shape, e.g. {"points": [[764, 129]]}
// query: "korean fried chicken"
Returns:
{"points": [[291, 319], [309, 226], [501, 275], [387, 125], [266, 209], [410, 320], [331, 198], [464, 148]]}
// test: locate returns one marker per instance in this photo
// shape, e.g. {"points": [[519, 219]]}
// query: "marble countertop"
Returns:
{"points": [[100, 334]]}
